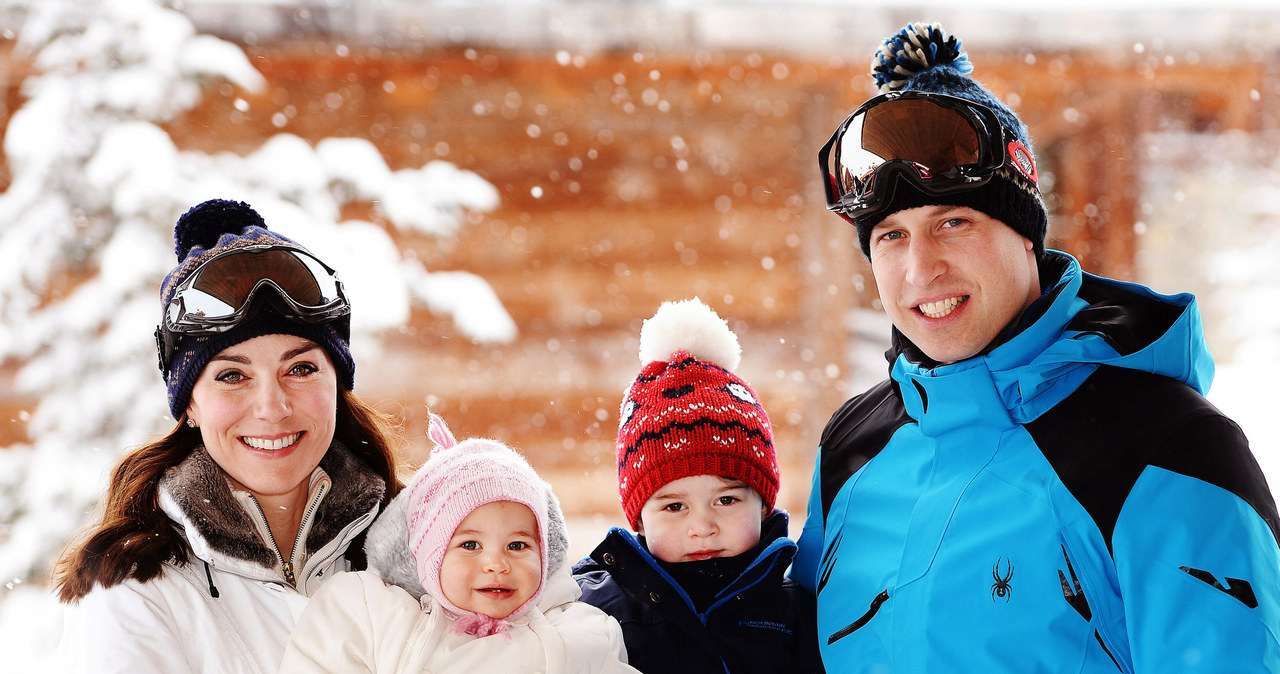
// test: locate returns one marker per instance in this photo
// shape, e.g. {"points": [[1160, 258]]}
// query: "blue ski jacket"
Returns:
{"points": [[759, 622], [1067, 501]]}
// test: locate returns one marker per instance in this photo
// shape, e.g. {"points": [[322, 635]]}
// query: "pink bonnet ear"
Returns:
{"points": [[439, 432]]}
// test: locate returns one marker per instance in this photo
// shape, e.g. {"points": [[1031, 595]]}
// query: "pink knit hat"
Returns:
{"points": [[458, 478]]}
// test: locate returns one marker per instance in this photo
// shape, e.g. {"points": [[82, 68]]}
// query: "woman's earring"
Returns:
{"points": [[191, 423]]}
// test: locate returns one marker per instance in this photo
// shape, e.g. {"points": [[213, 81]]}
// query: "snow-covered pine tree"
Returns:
{"points": [[86, 237]]}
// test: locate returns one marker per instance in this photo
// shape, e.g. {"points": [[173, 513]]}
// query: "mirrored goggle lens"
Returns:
{"points": [[223, 286], [932, 137]]}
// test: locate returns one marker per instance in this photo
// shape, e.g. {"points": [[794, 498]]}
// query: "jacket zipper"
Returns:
{"points": [[304, 525], [285, 566], [866, 617]]}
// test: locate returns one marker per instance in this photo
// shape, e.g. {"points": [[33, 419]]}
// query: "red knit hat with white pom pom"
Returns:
{"points": [[688, 414]]}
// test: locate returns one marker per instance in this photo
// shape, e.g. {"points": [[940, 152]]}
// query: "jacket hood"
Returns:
{"points": [[635, 567], [387, 543], [1082, 322]]}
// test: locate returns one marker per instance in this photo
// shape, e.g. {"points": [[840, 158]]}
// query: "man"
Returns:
{"points": [[1040, 485]]}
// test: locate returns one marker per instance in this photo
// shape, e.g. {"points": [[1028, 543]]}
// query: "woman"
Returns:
{"points": [[213, 537]]}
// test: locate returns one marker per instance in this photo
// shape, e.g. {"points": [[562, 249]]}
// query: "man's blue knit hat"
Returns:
{"points": [[922, 57], [210, 228]]}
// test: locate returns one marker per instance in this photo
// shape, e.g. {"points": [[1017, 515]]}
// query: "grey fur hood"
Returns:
{"points": [[387, 543]]}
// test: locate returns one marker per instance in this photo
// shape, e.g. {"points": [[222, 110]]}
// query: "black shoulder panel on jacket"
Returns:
{"points": [[1127, 321], [1101, 438], [856, 433]]}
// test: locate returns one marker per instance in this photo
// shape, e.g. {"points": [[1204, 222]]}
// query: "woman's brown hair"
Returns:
{"points": [[134, 538]]}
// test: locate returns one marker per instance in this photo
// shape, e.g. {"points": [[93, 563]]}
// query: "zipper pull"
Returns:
{"points": [[287, 567]]}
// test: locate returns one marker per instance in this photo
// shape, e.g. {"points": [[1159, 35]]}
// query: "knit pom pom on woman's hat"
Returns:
{"points": [[204, 224], [688, 414]]}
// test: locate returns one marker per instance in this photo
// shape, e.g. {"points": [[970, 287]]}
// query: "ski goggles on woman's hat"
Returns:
{"points": [[941, 144], [233, 285]]}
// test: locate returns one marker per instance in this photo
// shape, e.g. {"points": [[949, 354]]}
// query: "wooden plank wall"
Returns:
{"points": [[629, 178]]}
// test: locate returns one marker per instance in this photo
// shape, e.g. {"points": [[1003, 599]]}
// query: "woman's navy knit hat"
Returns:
{"points": [[922, 57], [206, 230]]}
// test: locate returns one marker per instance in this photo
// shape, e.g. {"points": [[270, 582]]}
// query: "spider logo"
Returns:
{"points": [[1001, 588]]}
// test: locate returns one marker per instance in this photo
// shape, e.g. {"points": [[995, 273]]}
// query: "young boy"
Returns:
{"points": [[702, 586]]}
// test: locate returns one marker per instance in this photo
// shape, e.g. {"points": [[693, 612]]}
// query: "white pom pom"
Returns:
{"points": [[689, 325]]}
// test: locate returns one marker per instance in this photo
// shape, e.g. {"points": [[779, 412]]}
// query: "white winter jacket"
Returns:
{"points": [[382, 621], [230, 608], [360, 624]]}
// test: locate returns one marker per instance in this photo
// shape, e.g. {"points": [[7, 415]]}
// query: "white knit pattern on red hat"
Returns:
{"points": [[457, 479]]}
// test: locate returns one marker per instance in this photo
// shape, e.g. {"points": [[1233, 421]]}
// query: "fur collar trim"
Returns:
{"points": [[199, 488]]}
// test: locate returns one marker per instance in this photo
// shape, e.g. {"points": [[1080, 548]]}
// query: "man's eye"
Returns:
{"points": [[890, 236]]}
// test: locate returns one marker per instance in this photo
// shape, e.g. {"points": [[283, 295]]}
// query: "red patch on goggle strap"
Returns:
{"points": [[1020, 158]]}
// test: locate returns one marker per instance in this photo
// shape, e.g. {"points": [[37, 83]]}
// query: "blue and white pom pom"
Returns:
{"points": [[689, 325], [913, 50]]}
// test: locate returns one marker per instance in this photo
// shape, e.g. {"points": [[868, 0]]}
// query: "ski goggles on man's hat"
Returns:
{"points": [[233, 285], [941, 144]]}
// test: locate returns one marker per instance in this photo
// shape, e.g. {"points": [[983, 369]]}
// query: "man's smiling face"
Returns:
{"points": [[952, 278]]}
